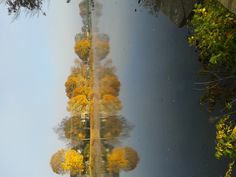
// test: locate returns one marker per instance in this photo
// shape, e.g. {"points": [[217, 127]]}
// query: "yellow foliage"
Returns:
{"points": [[73, 162], [70, 85], [83, 90], [82, 48], [122, 159], [110, 85], [77, 104], [110, 104], [230, 169], [225, 138], [56, 160]]}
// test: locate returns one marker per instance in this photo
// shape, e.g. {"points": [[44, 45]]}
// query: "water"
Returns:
{"points": [[158, 69]]}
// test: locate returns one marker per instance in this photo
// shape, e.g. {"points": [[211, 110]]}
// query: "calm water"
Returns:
{"points": [[157, 70]]}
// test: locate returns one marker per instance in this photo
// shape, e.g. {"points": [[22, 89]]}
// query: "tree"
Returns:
{"points": [[110, 105], [78, 104], [73, 162], [71, 84], [74, 130], [124, 158], [78, 84], [84, 8], [214, 34], [56, 160], [82, 48], [114, 127], [153, 6], [67, 161], [31, 6], [110, 84]]}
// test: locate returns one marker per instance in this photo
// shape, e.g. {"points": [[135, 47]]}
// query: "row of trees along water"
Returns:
{"points": [[95, 128]]}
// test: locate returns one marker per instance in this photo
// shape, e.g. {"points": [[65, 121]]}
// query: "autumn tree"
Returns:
{"points": [[110, 105], [109, 84], [82, 48], [78, 104], [73, 162], [115, 127], [73, 129], [67, 161], [56, 161], [122, 158]]}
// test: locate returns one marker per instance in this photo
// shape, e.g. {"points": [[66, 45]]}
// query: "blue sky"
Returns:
{"points": [[35, 59]]}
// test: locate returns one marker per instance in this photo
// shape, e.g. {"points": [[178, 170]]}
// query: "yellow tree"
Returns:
{"points": [[78, 104], [56, 160], [82, 48], [110, 104], [70, 85], [67, 161], [73, 162], [110, 84], [122, 158]]}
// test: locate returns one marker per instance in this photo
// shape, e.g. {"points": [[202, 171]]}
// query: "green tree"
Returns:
{"points": [[214, 34]]}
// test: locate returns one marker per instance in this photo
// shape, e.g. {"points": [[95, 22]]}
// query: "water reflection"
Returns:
{"points": [[172, 128], [95, 128]]}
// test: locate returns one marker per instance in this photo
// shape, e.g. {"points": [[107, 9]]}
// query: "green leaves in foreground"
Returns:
{"points": [[214, 34]]}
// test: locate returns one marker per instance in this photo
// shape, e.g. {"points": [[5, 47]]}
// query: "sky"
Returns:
{"points": [[157, 70], [35, 59]]}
